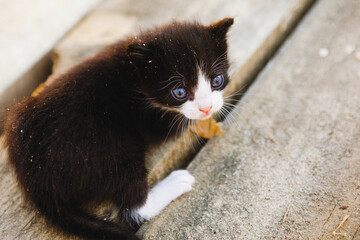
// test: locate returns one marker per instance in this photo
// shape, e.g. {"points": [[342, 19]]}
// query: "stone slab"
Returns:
{"points": [[29, 30], [288, 166], [252, 40]]}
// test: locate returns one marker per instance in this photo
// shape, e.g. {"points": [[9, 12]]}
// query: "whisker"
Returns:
{"points": [[180, 74], [178, 81], [230, 117], [218, 60], [187, 138], [170, 79], [230, 105], [173, 123], [237, 93], [177, 129], [196, 135]]}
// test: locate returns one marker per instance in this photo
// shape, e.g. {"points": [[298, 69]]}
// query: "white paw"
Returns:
{"points": [[173, 186], [177, 183]]}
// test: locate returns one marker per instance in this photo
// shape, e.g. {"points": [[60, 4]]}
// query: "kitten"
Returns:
{"points": [[83, 139]]}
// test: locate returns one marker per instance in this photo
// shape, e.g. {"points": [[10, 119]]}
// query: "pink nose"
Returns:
{"points": [[206, 109]]}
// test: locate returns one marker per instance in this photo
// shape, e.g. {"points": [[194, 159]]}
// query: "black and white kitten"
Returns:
{"points": [[84, 138]]}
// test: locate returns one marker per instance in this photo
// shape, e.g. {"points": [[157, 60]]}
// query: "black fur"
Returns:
{"points": [[84, 137]]}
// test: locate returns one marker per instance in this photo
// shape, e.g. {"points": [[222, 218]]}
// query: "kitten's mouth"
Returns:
{"points": [[205, 116]]}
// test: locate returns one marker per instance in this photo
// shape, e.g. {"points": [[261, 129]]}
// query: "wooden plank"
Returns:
{"points": [[259, 27], [288, 166]]}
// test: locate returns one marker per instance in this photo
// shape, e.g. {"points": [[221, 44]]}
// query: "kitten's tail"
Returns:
{"points": [[79, 222], [88, 226]]}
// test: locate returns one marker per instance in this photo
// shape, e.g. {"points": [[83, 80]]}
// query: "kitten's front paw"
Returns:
{"points": [[173, 186], [178, 183]]}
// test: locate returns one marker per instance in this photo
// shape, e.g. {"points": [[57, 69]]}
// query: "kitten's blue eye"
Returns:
{"points": [[179, 93], [217, 82]]}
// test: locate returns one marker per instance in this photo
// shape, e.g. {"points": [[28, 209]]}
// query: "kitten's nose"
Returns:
{"points": [[205, 110]]}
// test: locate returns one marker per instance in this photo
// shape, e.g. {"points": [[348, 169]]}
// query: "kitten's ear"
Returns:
{"points": [[138, 53], [219, 29]]}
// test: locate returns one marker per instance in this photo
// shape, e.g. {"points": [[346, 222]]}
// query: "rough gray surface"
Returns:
{"points": [[288, 166], [28, 32], [259, 26]]}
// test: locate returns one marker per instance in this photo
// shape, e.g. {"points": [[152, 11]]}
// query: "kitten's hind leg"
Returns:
{"points": [[170, 188]]}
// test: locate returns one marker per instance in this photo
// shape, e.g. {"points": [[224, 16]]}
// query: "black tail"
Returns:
{"points": [[78, 222], [85, 225]]}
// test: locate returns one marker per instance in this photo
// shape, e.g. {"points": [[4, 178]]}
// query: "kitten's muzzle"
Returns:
{"points": [[205, 110]]}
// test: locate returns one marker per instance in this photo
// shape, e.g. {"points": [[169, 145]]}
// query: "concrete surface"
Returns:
{"points": [[252, 40], [28, 32], [288, 166]]}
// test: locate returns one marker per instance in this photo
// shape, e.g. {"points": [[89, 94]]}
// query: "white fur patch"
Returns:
{"points": [[204, 98], [170, 188]]}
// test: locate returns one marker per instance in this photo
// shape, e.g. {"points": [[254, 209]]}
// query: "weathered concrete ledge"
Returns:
{"points": [[260, 27], [288, 166], [29, 31]]}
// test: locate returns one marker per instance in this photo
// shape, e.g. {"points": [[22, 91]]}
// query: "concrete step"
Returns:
{"points": [[288, 165], [28, 33], [260, 26]]}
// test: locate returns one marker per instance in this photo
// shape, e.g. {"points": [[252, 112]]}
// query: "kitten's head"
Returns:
{"points": [[183, 67]]}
